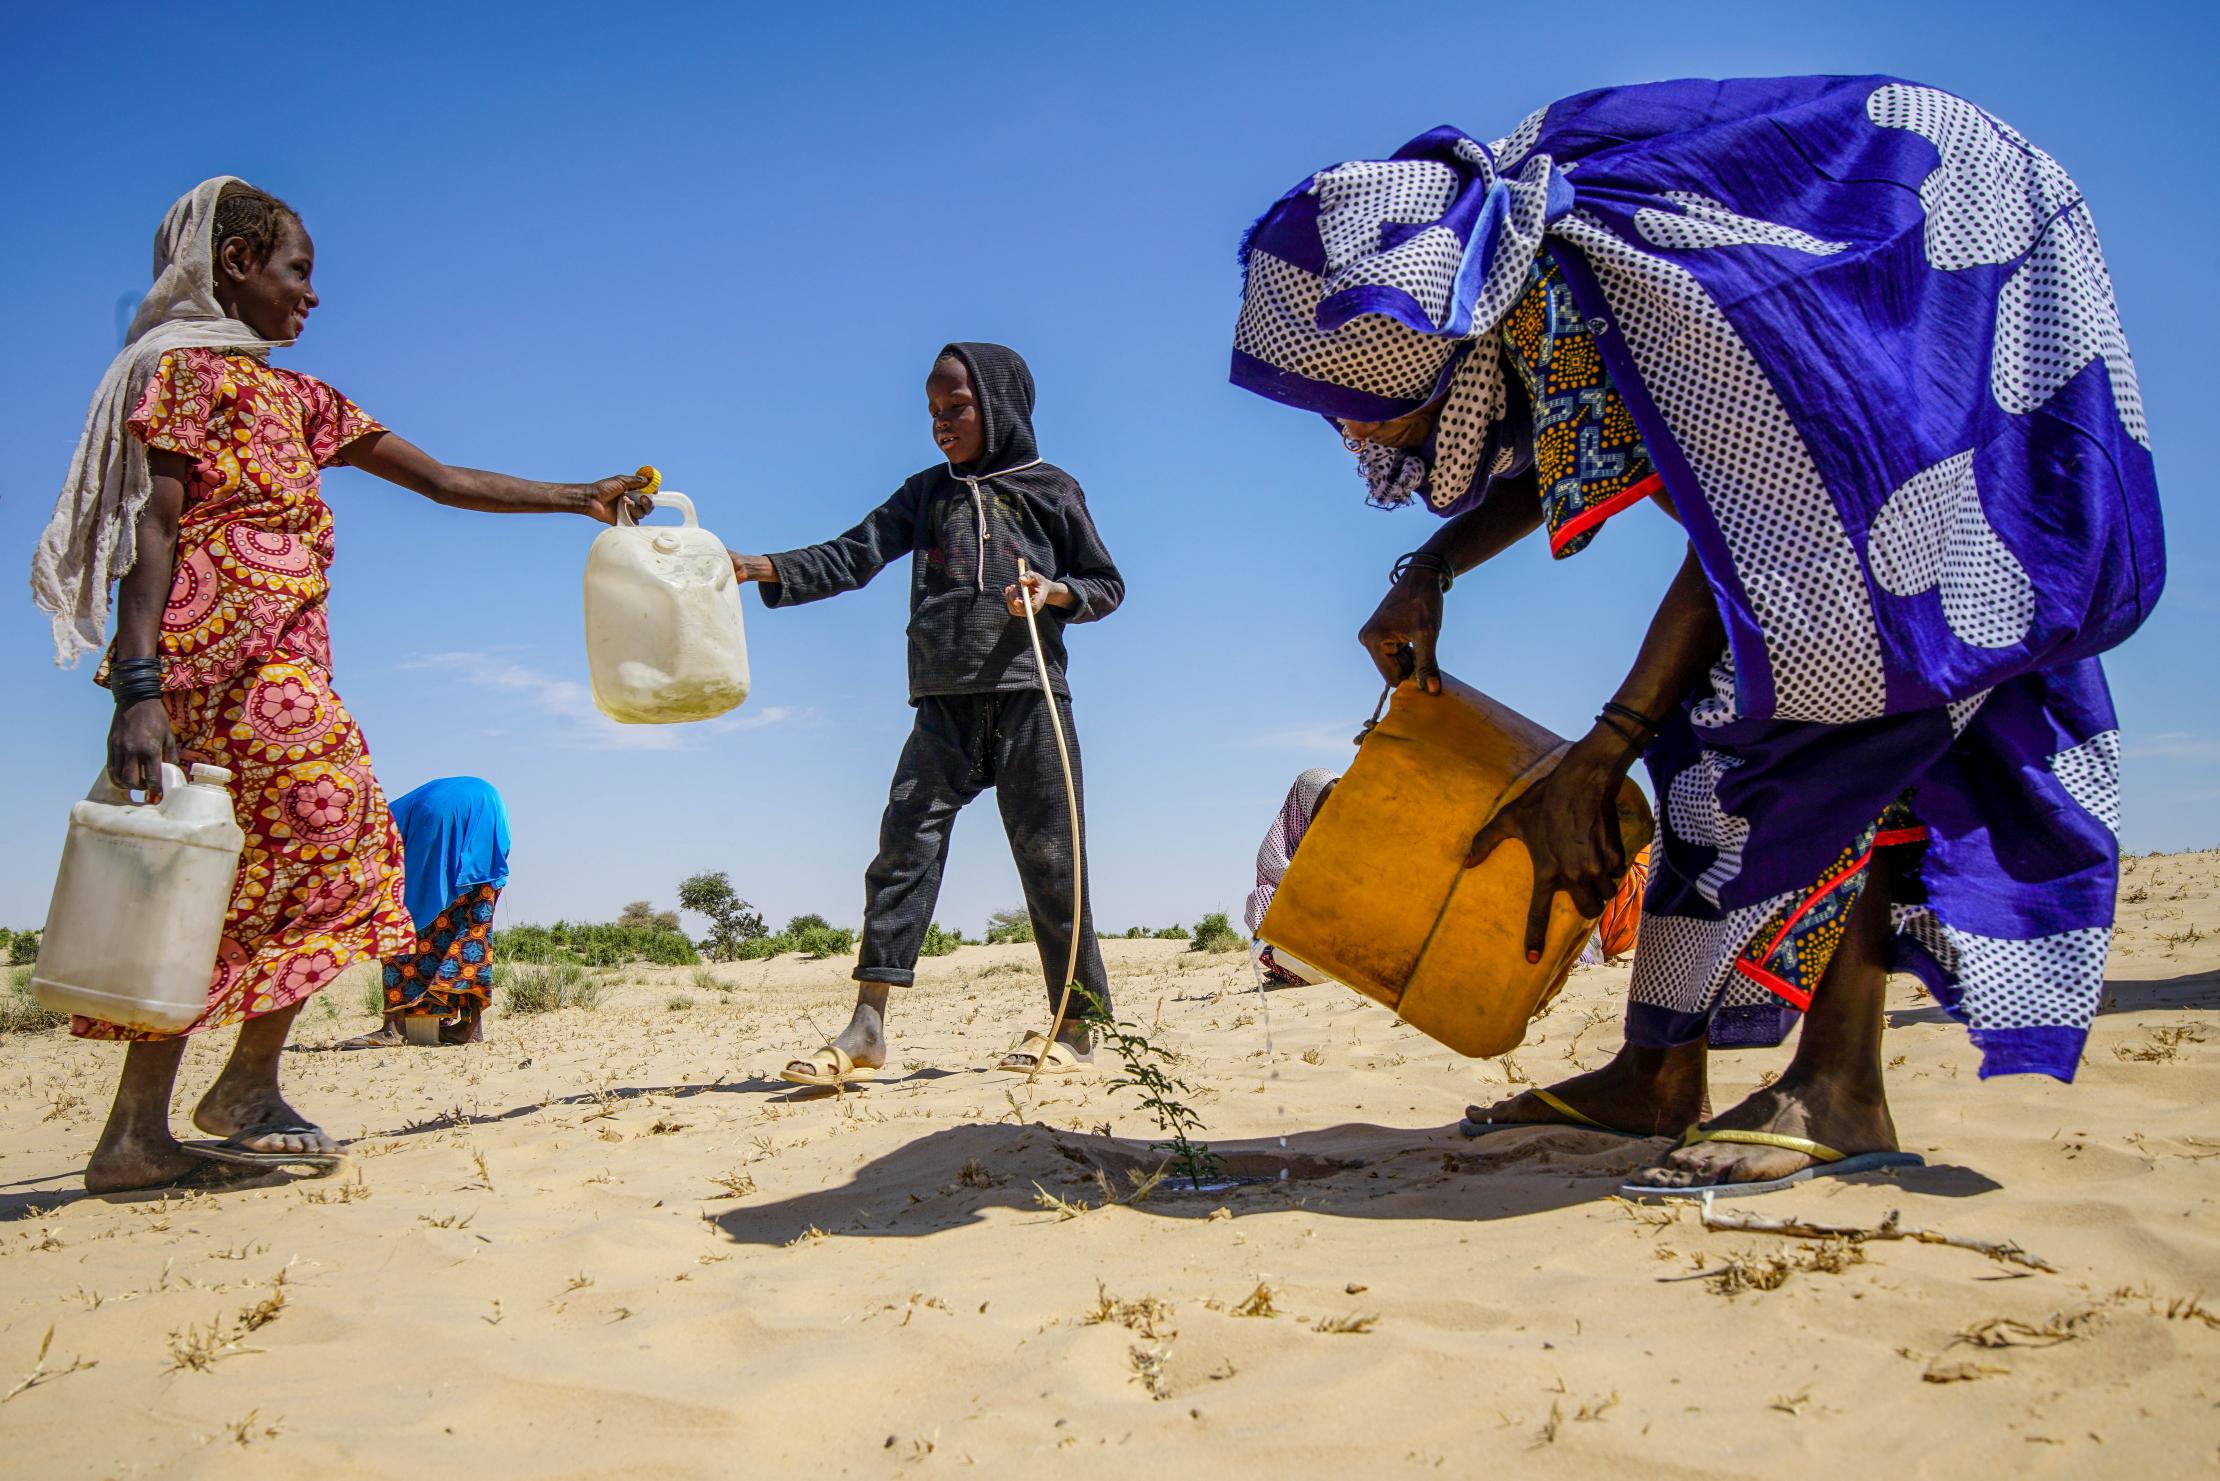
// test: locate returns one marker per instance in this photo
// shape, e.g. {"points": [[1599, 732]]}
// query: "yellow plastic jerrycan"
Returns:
{"points": [[664, 638], [1378, 897], [139, 903]]}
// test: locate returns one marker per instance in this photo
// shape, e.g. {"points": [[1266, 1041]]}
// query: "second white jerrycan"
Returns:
{"points": [[139, 903], [664, 638]]}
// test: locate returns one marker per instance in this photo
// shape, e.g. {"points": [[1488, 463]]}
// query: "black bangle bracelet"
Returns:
{"points": [[1618, 730], [1627, 712], [1423, 560], [132, 680]]}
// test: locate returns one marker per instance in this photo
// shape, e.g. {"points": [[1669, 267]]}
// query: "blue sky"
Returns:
{"points": [[562, 240]]}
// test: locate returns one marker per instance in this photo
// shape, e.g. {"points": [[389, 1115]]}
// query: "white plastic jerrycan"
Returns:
{"points": [[664, 638], [139, 905]]}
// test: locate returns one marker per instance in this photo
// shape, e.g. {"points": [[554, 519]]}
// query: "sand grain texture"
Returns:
{"points": [[610, 1244]]}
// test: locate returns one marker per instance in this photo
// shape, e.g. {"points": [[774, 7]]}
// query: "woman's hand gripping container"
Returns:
{"points": [[1378, 896], [664, 638], [138, 912]]}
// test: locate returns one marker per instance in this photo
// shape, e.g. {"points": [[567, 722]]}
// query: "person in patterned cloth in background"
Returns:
{"points": [[196, 483], [455, 839], [1857, 336]]}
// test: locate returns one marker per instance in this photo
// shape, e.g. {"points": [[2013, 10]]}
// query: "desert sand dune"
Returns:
{"points": [[610, 1243]]}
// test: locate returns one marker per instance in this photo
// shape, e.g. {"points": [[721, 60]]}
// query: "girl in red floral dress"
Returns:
{"points": [[222, 653]]}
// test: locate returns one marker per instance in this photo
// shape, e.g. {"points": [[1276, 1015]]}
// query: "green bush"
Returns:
{"points": [[801, 924], [1136, 933], [1012, 926], [758, 948], [20, 1013], [596, 946], [549, 986], [23, 948], [822, 941], [939, 942], [373, 993], [1216, 933], [1170, 933]]}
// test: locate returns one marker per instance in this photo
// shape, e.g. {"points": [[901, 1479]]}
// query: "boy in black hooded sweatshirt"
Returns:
{"points": [[981, 720]]}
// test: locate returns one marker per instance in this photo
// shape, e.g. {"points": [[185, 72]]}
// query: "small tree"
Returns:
{"points": [[641, 915], [732, 920], [1012, 925]]}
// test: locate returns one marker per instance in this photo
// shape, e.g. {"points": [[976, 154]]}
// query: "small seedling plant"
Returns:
{"points": [[1160, 1091]]}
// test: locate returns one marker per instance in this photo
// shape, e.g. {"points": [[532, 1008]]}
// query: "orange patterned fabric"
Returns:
{"points": [[246, 680], [255, 540], [319, 884], [1622, 918]]}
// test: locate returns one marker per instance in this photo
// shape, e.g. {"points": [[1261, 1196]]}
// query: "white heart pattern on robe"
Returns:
{"points": [[1993, 193], [2055, 315], [1933, 532]]}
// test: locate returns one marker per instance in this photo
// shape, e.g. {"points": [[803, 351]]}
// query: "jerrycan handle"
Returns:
{"points": [[104, 788], [661, 497]]}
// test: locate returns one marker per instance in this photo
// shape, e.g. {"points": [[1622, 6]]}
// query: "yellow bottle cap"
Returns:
{"points": [[654, 477]]}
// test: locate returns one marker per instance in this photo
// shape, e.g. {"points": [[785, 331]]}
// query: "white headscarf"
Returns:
{"points": [[93, 538], [1284, 837]]}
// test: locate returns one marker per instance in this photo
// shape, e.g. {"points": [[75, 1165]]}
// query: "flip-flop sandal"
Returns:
{"points": [[1829, 1164], [1573, 1119], [1059, 1060], [234, 1149], [829, 1069]]}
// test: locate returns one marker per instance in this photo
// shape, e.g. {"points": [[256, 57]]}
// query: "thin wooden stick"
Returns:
{"points": [[1071, 799], [2006, 1252]]}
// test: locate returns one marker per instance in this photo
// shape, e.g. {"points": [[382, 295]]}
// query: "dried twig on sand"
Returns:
{"points": [[40, 1373], [2004, 1252]]}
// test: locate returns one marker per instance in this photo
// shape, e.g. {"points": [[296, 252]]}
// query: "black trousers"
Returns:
{"points": [[961, 745]]}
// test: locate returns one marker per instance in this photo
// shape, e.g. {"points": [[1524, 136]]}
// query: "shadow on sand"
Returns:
{"points": [[950, 1178]]}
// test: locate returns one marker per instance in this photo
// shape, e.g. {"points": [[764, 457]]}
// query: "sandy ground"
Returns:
{"points": [[608, 1243]]}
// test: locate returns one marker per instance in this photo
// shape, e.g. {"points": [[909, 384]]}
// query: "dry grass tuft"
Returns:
{"points": [[1145, 1315], [1062, 1208], [1258, 1302]]}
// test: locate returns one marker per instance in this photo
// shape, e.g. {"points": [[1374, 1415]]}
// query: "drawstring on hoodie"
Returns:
{"points": [[979, 510]]}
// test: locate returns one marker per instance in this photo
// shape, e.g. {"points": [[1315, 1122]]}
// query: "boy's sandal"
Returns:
{"points": [[828, 1068], [1059, 1058], [1826, 1163]]}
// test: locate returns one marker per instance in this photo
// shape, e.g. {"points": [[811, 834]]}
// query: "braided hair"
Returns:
{"points": [[254, 215]]}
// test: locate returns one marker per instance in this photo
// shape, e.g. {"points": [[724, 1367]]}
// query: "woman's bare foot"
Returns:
{"points": [[468, 1029], [1832, 1091], [246, 1094], [136, 1149], [388, 1035], [864, 1039], [122, 1163], [1815, 1109], [1649, 1092]]}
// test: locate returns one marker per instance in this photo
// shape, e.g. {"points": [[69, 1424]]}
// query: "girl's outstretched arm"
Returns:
{"points": [[397, 460]]}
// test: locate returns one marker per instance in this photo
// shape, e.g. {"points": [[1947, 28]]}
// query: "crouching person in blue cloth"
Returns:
{"points": [[981, 718], [455, 847]]}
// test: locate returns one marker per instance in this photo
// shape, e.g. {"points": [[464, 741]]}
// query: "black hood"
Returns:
{"points": [[1003, 383]]}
